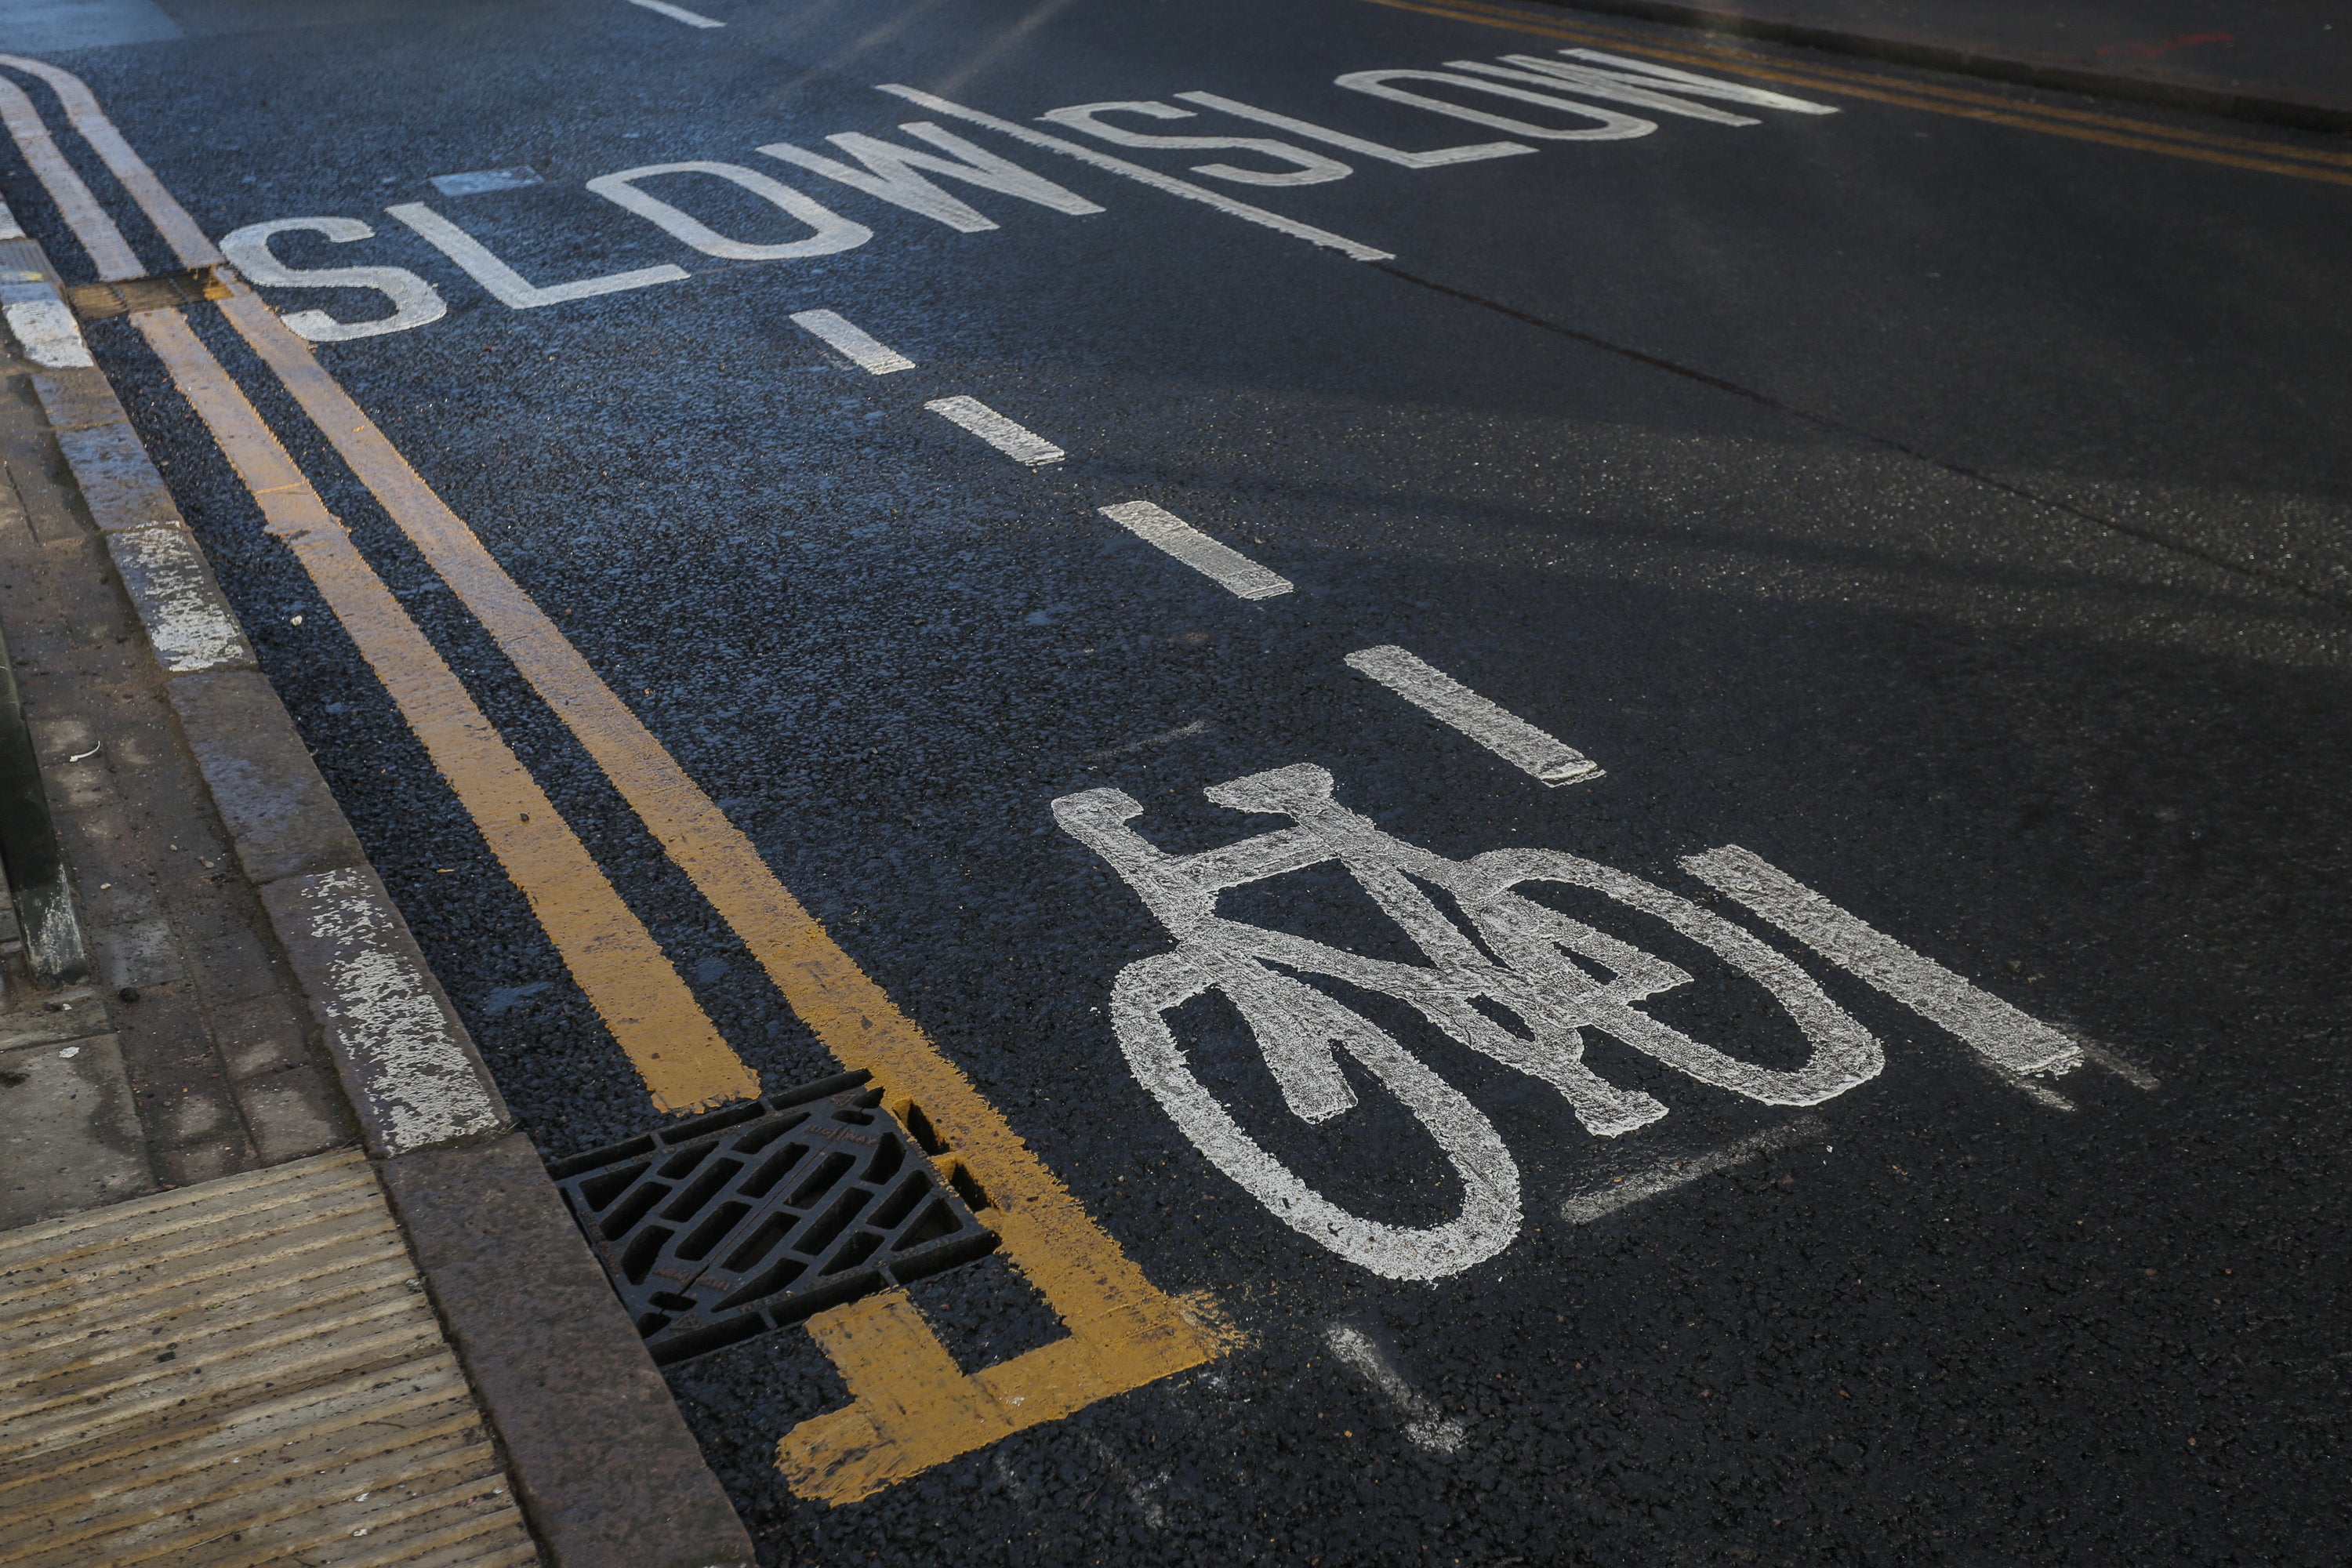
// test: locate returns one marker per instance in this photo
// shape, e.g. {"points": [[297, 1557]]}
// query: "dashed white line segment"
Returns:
{"points": [[1017, 442], [1446, 699], [1228, 567], [678, 13], [869, 355], [1586, 1207], [1425, 1423]]}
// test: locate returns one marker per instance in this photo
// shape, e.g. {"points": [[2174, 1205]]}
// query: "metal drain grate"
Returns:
{"points": [[129, 296], [757, 1215]]}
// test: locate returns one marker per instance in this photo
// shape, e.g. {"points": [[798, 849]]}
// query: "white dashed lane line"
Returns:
{"points": [[678, 12], [875, 358], [1017, 442], [1446, 699], [1669, 1174], [1228, 567]]}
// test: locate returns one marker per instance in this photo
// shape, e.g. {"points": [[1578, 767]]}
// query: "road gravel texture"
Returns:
{"points": [[2000, 596]]}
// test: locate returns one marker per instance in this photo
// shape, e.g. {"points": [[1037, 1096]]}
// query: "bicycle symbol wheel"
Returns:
{"points": [[1555, 976]]}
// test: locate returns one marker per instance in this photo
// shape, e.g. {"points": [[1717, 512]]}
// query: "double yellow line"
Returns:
{"points": [[912, 1406], [2109, 129]]}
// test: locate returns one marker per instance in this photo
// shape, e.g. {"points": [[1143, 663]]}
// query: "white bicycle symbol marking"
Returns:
{"points": [[1556, 974]]}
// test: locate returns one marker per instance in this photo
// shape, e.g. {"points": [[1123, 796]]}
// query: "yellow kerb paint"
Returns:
{"points": [[627, 978], [914, 1406]]}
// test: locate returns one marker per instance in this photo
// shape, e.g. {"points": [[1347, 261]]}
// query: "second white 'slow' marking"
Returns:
{"points": [[1017, 442], [876, 358], [1228, 567], [1446, 699]]}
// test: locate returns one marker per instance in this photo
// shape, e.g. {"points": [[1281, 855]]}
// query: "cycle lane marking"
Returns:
{"points": [[1220, 563], [912, 1407], [861, 349], [1018, 442], [653, 1017], [1533, 752]]}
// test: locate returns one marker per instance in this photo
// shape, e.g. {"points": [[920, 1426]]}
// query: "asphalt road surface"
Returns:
{"points": [[1937, 492]]}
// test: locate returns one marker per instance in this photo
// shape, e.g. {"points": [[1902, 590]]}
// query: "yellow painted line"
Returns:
{"points": [[914, 1407], [2112, 130], [1125, 1333], [628, 980], [108, 252]]}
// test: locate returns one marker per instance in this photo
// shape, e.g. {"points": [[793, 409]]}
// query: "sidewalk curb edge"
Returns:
{"points": [[640, 1495]]}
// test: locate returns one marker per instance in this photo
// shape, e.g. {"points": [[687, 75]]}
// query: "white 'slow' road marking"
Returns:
{"points": [[877, 358], [1017, 442], [44, 325], [1506, 735], [1425, 1423], [678, 12], [507, 286], [1141, 175], [1229, 568], [1586, 1207]]}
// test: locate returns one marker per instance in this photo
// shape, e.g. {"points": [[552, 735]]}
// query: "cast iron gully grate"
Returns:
{"points": [[758, 1216]]}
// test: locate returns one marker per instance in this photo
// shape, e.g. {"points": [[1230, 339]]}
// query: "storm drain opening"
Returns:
{"points": [[753, 1218], [163, 291]]}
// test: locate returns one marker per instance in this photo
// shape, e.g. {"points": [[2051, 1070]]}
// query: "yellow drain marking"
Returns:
{"points": [[914, 1407], [628, 980], [2109, 129]]}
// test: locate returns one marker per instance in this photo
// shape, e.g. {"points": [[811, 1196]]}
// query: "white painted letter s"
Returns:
{"points": [[415, 302], [1311, 168]]}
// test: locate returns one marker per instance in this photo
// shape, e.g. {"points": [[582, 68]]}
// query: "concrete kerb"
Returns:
{"points": [[2153, 88], [608, 1475]]}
